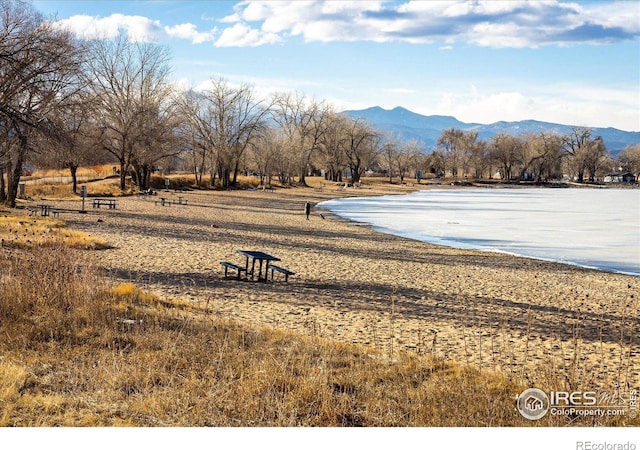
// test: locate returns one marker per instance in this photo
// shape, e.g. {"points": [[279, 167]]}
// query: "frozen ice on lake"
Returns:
{"points": [[596, 228]]}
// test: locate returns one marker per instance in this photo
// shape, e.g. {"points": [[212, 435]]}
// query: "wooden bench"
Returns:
{"points": [[282, 270], [229, 265], [163, 202], [110, 202], [44, 211]]}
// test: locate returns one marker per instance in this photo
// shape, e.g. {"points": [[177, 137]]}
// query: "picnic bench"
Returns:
{"points": [[110, 202], [282, 270], [163, 202], [45, 211], [229, 265], [249, 270]]}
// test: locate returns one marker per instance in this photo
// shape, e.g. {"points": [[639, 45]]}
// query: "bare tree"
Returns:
{"points": [[332, 146], [407, 157], [267, 155], [304, 126], [38, 69], [585, 152], [479, 159], [361, 147], [544, 155], [629, 159], [389, 153], [451, 144], [434, 163], [507, 152], [157, 140], [196, 131], [69, 137], [128, 82], [221, 123], [234, 119]]}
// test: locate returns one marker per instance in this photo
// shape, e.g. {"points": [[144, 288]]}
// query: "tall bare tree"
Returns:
{"points": [[196, 131], [304, 124], [451, 144], [585, 152], [361, 148], [629, 159], [157, 140], [39, 67], [128, 81], [543, 155], [332, 146], [479, 159], [69, 137], [267, 155], [389, 154], [227, 120], [508, 152], [407, 157], [435, 163]]}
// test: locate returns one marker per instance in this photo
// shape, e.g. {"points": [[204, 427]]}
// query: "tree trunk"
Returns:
{"points": [[355, 173], [73, 168], [123, 176], [3, 195], [13, 180]]}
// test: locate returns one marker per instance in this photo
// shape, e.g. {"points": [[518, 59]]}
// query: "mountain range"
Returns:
{"points": [[427, 129]]}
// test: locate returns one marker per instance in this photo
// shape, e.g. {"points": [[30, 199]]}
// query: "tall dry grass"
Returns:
{"points": [[77, 351], [30, 232]]}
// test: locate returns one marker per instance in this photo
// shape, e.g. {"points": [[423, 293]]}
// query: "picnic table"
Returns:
{"points": [[110, 202], [45, 211], [262, 258]]}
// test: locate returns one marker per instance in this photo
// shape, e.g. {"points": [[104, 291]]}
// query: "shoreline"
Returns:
{"points": [[355, 284]]}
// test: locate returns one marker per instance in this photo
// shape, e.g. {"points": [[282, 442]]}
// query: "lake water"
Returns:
{"points": [[595, 228]]}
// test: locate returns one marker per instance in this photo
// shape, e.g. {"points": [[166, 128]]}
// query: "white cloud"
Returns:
{"points": [[241, 35], [515, 24], [137, 29], [189, 31]]}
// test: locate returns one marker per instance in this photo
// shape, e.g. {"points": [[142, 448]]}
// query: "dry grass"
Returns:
{"points": [[30, 232], [78, 352]]}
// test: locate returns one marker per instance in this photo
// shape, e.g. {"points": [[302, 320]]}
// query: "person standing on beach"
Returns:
{"points": [[307, 209]]}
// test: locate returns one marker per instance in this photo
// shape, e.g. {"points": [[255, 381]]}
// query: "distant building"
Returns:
{"points": [[619, 177]]}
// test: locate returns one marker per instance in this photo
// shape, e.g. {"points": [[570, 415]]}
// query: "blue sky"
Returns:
{"points": [[575, 63]]}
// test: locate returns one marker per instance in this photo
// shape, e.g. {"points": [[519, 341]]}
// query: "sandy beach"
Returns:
{"points": [[551, 324]]}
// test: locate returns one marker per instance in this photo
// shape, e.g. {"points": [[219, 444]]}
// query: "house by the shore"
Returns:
{"points": [[619, 177]]}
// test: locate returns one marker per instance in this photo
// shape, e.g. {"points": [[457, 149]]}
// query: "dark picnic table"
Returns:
{"points": [[110, 202], [262, 258]]}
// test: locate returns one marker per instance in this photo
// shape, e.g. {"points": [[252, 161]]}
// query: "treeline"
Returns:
{"points": [[66, 103], [578, 155]]}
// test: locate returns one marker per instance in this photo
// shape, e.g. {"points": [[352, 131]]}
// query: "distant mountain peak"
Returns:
{"points": [[427, 129]]}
